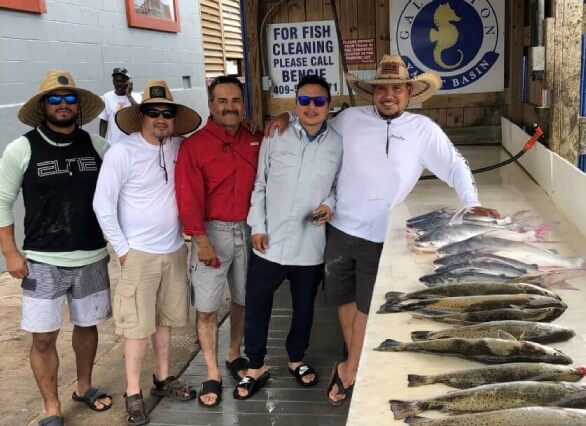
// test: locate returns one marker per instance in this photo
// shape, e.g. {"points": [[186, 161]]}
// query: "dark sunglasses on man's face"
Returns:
{"points": [[155, 113], [318, 101], [70, 99]]}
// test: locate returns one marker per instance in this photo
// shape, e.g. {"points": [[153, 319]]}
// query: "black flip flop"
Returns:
{"points": [[52, 421], [237, 365], [210, 387], [335, 380], [300, 372], [91, 397], [251, 385]]}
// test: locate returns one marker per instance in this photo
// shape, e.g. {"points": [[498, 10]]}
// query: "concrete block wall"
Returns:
{"points": [[89, 38]]}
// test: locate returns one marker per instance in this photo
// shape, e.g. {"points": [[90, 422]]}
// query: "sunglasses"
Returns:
{"points": [[70, 99], [155, 113], [318, 101]]}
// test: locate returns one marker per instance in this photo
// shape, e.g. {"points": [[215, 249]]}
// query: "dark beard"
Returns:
{"points": [[62, 123]]}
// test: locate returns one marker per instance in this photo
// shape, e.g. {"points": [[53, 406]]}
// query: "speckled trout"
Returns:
{"points": [[475, 289], [469, 378], [515, 314], [487, 350], [497, 396], [534, 416], [522, 330], [476, 303]]}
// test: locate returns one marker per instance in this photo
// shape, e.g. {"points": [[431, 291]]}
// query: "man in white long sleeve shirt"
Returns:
{"points": [[385, 151], [136, 207]]}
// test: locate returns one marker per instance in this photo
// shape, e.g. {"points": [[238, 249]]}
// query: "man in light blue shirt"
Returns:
{"points": [[292, 199]]}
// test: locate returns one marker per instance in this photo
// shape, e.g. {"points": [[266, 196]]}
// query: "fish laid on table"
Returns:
{"points": [[514, 372], [522, 330], [497, 396], [520, 251], [512, 314], [476, 256], [474, 289], [476, 303], [443, 212], [487, 267], [419, 227], [487, 350], [449, 234], [534, 416], [435, 279]]}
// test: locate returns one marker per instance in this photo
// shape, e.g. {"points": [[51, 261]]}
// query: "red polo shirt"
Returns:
{"points": [[214, 176]]}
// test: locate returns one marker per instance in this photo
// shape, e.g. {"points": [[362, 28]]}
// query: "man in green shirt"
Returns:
{"points": [[65, 258]]}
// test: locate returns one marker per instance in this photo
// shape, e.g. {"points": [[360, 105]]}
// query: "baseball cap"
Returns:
{"points": [[120, 71]]}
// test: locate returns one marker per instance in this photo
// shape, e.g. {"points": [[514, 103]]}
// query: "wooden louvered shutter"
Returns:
{"points": [[222, 34]]}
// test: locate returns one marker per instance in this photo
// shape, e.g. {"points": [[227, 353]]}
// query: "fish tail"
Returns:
{"points": [[394, 296], [417, 380], [418, 420], [390, 345], [420, 335], [402, 409]]}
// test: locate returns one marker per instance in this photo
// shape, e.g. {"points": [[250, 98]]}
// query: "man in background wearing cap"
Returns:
{"points": [[65, 258], [114, 100], [215, 176], [385, 151], [137, 210]]}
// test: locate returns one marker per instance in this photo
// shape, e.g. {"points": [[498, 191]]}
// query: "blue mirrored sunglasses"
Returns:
{"points": [[70, 99], [318, 101]]}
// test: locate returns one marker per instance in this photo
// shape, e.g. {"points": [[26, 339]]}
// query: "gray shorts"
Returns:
{"points": [[351, 264], [231, 240], [47, 287]]}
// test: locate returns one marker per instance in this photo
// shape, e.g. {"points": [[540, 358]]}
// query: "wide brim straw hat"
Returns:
{"points": [[392, 70], [90, 104], [156, 92]]}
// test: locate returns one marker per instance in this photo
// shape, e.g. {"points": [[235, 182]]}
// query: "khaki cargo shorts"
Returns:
{"points": [[153, 291]]}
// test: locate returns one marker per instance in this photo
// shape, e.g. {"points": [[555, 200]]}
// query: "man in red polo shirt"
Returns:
{"points": [[214, 178]]}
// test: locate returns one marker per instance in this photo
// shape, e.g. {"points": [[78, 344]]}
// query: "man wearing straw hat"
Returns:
{"points": [[385, 151], [65, 258], [136, 207]]}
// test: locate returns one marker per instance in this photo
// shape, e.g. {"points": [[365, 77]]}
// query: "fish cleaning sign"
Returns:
{"points": [[302, 48], [460, 40]]}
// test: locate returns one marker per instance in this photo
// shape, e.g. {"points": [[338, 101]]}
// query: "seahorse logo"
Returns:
{"points": [[446, 35]]}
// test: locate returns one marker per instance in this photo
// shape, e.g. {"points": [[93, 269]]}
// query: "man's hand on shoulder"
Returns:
{"points": [[260, 242], [16, 264], [279, 124], [485, 211]]}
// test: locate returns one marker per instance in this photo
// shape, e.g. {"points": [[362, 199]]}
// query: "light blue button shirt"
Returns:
{"points": [[294, 177]]}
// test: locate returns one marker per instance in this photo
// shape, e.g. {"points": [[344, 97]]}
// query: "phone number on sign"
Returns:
{"points": [[285, 89]]}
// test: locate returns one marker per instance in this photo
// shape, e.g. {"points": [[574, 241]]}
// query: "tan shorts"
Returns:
{"points": [[153, 291]]}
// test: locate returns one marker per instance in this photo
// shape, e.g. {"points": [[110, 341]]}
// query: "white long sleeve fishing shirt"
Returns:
{"points": [[382, 162]]}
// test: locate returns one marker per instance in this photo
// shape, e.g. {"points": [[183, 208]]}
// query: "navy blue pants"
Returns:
{"points": [[264, 278]]}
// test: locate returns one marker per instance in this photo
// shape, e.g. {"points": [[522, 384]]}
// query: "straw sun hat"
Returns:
{"points": [[156, 92], [90, 104], [392, 70]]}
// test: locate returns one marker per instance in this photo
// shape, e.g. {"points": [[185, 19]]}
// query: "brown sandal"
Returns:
{"points": [[136, 410], [173, 388]]}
